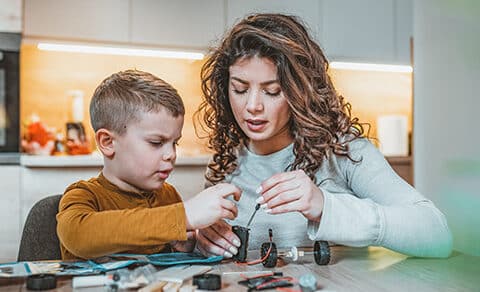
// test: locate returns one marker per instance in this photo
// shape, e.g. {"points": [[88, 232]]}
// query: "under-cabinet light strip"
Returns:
{"points": [[371, 67], [120, 51]]}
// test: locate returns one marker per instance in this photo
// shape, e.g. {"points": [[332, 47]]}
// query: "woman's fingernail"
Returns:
{"points": [[263, 206], [233, 250], [268, 211], [258, 190], [236, 242], [259, 200], [226, 254]]}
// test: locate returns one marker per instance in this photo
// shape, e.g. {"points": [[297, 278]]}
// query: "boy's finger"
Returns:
{"points": [[229, 205], [229, 189]]}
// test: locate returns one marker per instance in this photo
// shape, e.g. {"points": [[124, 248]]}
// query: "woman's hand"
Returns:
{"points": [[289, 192], [218, 239], [211, 205], [185, 246]]}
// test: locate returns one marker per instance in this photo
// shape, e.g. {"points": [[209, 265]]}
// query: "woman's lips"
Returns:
{"points": [[256, 125]]}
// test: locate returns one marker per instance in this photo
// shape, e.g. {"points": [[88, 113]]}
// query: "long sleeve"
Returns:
{"points": [[384, 210], [86, 231]]}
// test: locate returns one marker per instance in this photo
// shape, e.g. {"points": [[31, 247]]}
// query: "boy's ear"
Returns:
{"points": [[104, 139]]}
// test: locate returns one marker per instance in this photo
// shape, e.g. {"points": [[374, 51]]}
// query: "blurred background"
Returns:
{"points": [[408, 68]]}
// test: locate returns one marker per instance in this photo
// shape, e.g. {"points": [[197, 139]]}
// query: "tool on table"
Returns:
{"points": [[320, 252], [41, 282], [208, 281], [253, 214], [242, 233]]}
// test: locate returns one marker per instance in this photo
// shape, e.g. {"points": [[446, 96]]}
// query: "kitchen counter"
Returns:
{"points": [[92, 160]]}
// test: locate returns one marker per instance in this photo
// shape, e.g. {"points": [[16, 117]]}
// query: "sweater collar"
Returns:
{"points": [[113, 187]]}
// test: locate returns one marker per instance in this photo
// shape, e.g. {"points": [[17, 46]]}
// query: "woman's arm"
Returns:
{"points": [[385, 210]]}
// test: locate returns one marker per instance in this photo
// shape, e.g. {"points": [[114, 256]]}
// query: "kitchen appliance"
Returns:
{"points": [[9, 98]]}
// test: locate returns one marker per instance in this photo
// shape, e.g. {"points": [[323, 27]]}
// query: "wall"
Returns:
{"points": [[47, 76], [446, 140], [373, 94]]}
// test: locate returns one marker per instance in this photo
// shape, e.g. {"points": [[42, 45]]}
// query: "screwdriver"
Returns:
{"points": [[254, 212]]}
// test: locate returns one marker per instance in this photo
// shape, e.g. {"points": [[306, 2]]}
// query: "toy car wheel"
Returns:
{"points": [[271, 260], [321, 251]]}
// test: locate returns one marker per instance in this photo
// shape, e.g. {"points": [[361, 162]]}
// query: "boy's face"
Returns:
{"points": [[144, 155]]}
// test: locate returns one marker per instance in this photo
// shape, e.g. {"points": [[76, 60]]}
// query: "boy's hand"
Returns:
{"points": [[211, 205]]}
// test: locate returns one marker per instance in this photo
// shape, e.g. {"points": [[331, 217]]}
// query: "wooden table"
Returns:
{"points": [[352, 269]]}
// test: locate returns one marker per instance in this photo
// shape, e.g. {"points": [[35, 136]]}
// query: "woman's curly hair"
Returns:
{"points": [[320, 118]]}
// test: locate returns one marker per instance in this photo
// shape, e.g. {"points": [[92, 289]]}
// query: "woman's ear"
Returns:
{"points": [[105, 144]]}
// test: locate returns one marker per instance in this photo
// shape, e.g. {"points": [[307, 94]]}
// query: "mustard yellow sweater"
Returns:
{"points": [[97, 218]]}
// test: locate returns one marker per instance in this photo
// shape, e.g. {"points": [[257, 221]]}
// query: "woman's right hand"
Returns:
{"points": [[211, 205], [218, 239]]}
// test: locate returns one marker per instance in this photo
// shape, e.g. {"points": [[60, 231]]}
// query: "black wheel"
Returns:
{"points": [[271, 260], [321, 251]]}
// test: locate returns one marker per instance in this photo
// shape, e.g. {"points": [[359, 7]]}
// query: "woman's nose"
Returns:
{"points": [[254, 102]]}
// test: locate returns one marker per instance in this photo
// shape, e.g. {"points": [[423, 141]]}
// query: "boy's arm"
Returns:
{"points": [[88, 233]]}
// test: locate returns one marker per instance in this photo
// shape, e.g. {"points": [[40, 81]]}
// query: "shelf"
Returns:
{"points": [[92, 160]]}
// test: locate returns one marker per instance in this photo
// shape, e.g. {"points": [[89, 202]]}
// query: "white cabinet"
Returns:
{"points": [[96, 20], [9, 210], [368, 30], [308, 10], [180, 23], [40, 182], [11, 16]]}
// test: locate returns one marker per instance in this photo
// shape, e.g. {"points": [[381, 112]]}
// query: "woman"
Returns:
{"points": [[281, 133]]}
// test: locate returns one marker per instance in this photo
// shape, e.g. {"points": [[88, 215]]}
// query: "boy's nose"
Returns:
{"points": [[170, 155]]}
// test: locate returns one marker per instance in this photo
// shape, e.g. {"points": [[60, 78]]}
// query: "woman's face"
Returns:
{"points": [[259, 105]]}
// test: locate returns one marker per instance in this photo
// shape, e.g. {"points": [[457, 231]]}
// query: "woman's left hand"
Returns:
{"points": [[292, 191], [185, 246]]}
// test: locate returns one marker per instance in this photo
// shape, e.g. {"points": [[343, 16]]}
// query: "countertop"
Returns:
{"points": [[96, 160], [350, 269], [93, 160]]}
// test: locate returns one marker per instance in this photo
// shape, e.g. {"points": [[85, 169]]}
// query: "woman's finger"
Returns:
{"points": [[285, 208], [278, 189], [210, 242], [276, 179], [282, 199]]}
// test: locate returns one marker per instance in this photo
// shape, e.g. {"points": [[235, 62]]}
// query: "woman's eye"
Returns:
{"points": [[156, 143], [237, 91], [273, 93]]}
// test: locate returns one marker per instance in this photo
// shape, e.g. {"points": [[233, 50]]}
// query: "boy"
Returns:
{"points": [[138, 119]]}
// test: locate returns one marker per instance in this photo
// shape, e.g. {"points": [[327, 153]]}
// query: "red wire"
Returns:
{"points": [[254, 262]]}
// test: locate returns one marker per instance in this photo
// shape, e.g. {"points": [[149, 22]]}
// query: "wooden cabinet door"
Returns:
{"points": [[307, 10], [88, 20], [9, 212], [180, 23], [11, 16]]}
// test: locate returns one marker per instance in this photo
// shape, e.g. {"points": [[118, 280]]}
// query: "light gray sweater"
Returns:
{"points": [[366, 203]]}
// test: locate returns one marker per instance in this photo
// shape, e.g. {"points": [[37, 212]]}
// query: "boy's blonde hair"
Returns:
{"points": [[117, 101]]}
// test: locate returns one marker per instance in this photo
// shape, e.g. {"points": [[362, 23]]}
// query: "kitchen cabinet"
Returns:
{"points": [[181, 23], [308, 10], [11, 16], [9, 210], [87, 20], [375, 31]]}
